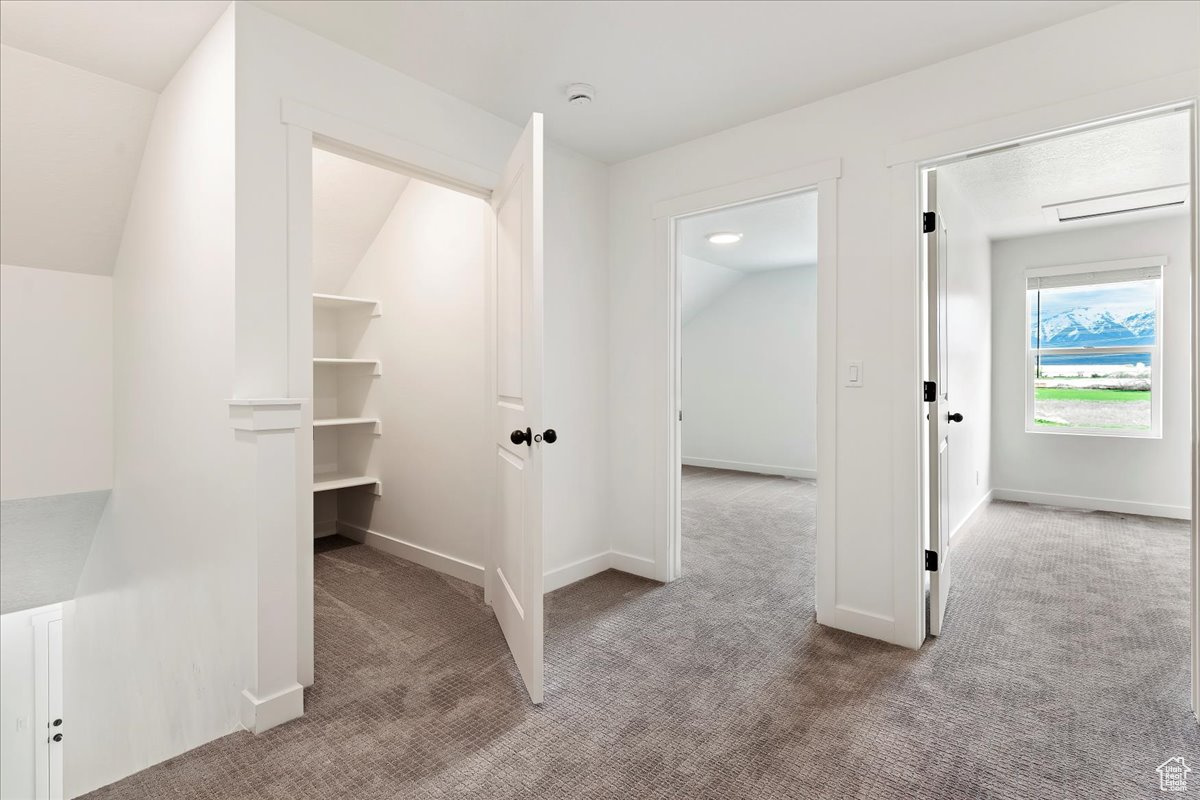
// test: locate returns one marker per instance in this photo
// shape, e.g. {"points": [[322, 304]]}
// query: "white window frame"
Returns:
{"points": [[1155, 350]]}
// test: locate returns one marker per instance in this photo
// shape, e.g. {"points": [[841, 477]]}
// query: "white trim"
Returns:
{"points": [[1146, 97], [425, 557], [266, 414], [258, 715], [760, 469], [43, 672], [759, 188], [667, 522], [1154, 350], [983, 503], [1093, 503], [1173, 92], [634, 565], [363, 143], [576, 571]]}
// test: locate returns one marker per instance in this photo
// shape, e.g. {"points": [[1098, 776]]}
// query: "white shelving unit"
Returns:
{"points": [[339, 302], [334, 310]]}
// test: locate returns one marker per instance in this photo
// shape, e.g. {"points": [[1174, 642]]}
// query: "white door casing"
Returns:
{"points": [[939, 411], [513, 579]]}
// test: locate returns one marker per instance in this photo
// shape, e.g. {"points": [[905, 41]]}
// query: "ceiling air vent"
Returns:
{"points": [[1145, 200]]}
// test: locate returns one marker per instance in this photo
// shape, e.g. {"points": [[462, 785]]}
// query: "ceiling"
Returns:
{"points": [[70, 146], [664, 72], [1006, 190], [134, 41], [351, 201], [78, 85], [776, 233]]}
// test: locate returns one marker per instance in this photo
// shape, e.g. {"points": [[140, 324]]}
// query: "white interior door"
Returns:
{"points": [[513, 582], [940, 416]]}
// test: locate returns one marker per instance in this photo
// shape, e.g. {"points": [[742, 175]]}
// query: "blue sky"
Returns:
{"points": [[1119, 299]]}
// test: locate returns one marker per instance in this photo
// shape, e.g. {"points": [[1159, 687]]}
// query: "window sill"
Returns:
{"points": [[1096, 432]]}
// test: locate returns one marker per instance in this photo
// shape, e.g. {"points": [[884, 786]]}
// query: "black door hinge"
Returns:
{"points": [[928, 222], [929, 391], [931, 561]]}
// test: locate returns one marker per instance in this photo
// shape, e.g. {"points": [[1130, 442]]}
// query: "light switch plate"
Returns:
{"points": [[854, 374]]}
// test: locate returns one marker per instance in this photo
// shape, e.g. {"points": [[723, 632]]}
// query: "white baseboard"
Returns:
{"points": [[982, 504], [463, 570], [259, 715], [576, 571], [1093, 503], [761, 469], [473, 573], [634, 565]]}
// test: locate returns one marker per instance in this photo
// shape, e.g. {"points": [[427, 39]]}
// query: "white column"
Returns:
{"points": [[274, 694]]}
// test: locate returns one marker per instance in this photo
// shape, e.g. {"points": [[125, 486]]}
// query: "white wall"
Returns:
{"points": [[703, 282], [156, 651], [278, 60], [1136, 475], [749, 376], [969, 328], [875, 564], [56, 358], [427, 268]]}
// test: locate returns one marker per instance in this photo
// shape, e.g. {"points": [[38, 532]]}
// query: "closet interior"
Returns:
{"points": [[398, 350]]}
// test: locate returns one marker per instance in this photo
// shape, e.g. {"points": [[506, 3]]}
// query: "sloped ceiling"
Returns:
{"points": [[1006, 190], [139, 42], [70, 146], [78, 85], [351, 201], [778, 233]]}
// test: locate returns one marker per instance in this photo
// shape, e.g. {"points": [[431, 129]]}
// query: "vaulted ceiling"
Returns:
{"points": [[78, 86]]}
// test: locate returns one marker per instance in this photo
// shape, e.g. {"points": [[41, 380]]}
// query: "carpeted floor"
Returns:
{"points": [[1063, 673]]}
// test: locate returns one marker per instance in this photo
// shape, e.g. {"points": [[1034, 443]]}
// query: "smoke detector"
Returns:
{"points": [[580, 94]]}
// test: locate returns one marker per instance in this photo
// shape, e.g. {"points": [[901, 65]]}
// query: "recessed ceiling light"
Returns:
{"points": [[724, 237]]}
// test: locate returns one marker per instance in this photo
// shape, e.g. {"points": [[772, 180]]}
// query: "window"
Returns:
{"points": [[1093, 362]]}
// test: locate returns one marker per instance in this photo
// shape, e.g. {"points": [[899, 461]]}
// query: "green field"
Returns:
{"points": [[1094, 395]]}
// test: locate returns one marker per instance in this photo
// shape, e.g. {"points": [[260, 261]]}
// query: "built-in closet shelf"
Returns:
{"points": [[337, 302], [340, 422], [328, 481], [376, 367]]}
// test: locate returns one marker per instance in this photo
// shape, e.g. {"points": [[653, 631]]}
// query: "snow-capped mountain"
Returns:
{"points": [[1097, 327]]}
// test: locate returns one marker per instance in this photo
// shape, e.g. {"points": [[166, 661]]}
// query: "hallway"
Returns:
{"points": [[1063, 672]]}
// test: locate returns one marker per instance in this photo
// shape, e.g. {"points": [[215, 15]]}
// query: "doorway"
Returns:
{"points": [[815, 182], [1057, 330], [748, 366], [416, 339]]}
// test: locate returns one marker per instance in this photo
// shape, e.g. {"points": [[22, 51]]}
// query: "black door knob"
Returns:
{"points": [[58, 737], [521, 437], [550, 436], [955, 417]]}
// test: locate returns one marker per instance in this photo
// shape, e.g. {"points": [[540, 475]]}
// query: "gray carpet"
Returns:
{"points": [[1063, 673]]}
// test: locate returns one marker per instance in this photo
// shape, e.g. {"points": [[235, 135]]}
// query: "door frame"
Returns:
{"points": [[307, 127], [906, 162], [821, 177]]}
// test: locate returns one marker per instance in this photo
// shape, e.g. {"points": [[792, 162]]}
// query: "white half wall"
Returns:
{"points": [[749, 375], [969, 325], [1116, 473], [56, 382], [876, 561], [157, 651]]}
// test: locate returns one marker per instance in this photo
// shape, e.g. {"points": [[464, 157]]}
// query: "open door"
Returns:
{"points": [[937, 396], [513, 581]]}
